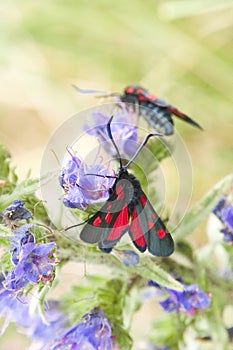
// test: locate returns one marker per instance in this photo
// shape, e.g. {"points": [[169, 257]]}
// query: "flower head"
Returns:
{"points": [[20, 236], [84, 185], [35, 263], [94, 332], [14, 213], [44, 331], [189, 300], [13, 307], [123, 131]]}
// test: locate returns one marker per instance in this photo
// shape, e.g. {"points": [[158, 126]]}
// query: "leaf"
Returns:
{"points": [[147, 269], [111, 299], [22, 190], [203, 208]]}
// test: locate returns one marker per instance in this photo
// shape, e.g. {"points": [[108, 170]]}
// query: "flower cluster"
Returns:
{"points": [[51, 331], [94, 332], [14, 213], [124, 132], [224, 212], [84, 185], [16, 308], [189, 300], [32, 262]]}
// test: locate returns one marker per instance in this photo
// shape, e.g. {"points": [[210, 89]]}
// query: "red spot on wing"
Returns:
{"points": [[150, 225], [97, 221], [153, 215], [120, 225], [140, 92], [152, 97], [176, 112], [108, 218], [142, 98], [120, 193], [143, 200], [120, 196], [109, 206], [119, 189], [161, 233], [136, 230], [129, 90]]}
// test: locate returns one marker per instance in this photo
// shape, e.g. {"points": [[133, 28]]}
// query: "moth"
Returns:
{"points": [[128, 210]]}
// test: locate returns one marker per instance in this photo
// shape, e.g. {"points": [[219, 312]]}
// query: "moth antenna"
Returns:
{"points": [[76, 225], [89, 91], [140, 148], [113, 142], [107, 176]]}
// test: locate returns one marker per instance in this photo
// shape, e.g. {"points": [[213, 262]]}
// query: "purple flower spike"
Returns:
{"points": [[123, 130], [36, 263], [82, 189], [94, 332], [14, 213]]}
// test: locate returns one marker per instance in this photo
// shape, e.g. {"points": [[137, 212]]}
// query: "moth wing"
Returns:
{"points": [[108, 224], [148, 231]]}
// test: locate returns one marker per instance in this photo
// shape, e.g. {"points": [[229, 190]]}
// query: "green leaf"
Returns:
{"points": [[203, 208], [149, 270], [22, 190], [112, 299]]}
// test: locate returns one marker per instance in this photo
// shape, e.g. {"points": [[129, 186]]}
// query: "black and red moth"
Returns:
{"points": [[128, 210], [155, 111]]}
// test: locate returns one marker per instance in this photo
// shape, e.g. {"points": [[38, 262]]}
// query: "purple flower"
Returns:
{"points": [[46, 330], [94, 332], [224, 212], [36, 263], [124, 132], [14, 213], [13, 306], [189, 300], [127, 257], [82, 189], [20, 236]]}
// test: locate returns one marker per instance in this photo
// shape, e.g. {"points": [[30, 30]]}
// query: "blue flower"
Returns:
{"points": [[35, 263], [43, 331], [20, 236], [224, 212], [94, 332], [124, 132], [13, 307], [14, 213], [82, 189], [189, 300]]}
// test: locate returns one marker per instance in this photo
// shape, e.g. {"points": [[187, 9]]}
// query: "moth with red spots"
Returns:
{"points": [[157, 112], [128, 210]]}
